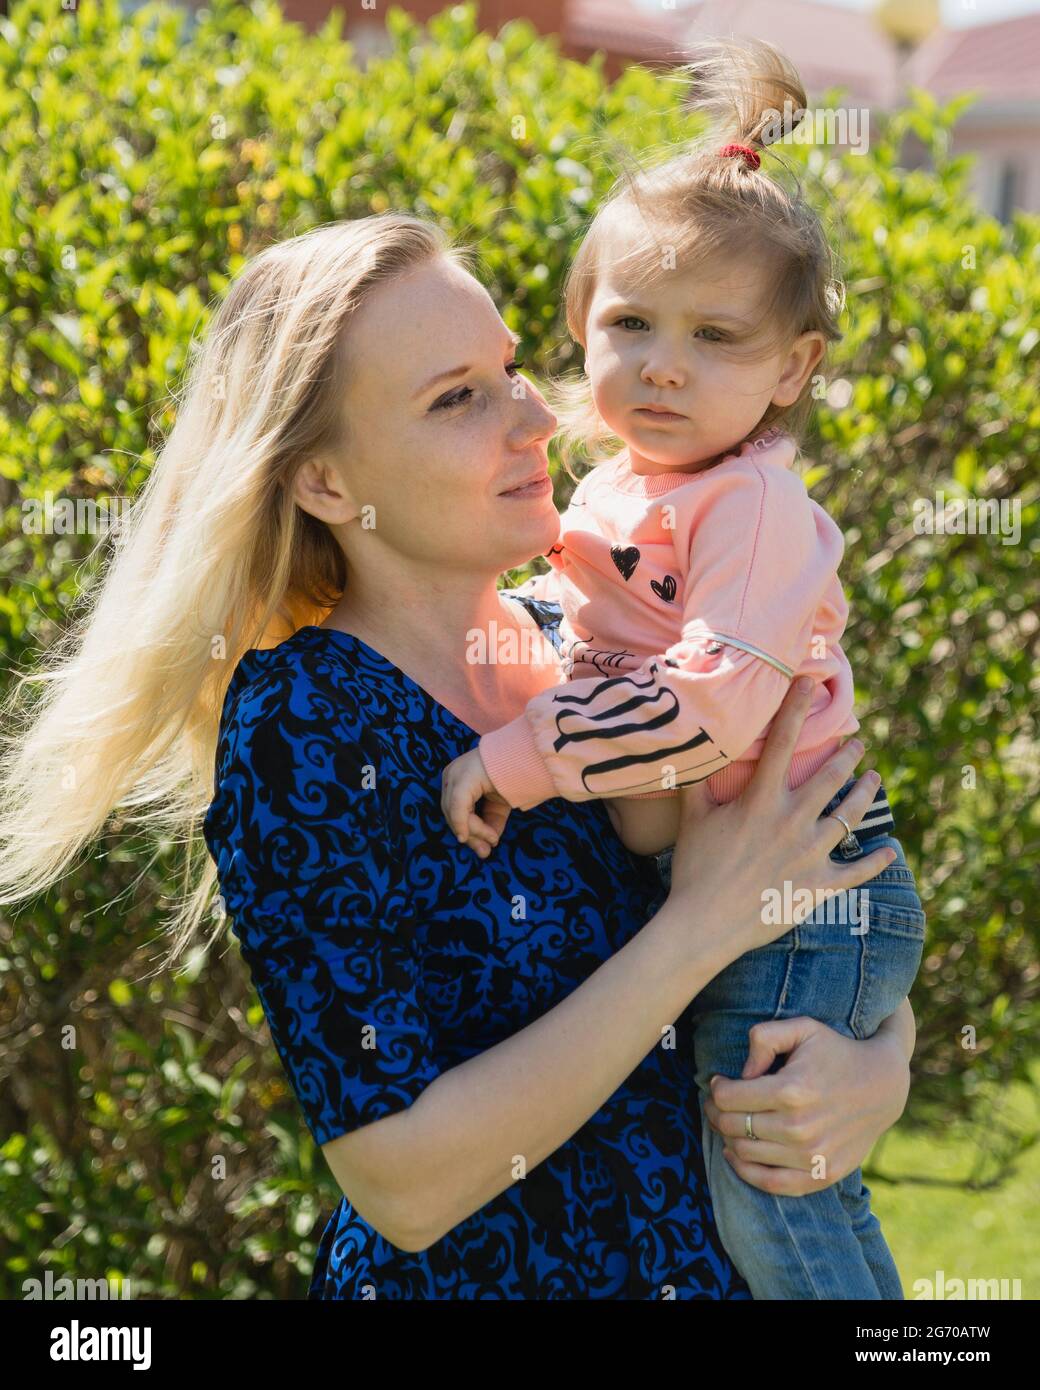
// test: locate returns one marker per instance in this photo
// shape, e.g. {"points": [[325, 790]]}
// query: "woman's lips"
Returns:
{"points": [[536, 489]]}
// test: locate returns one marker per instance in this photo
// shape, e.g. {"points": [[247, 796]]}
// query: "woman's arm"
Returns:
{"points": [[901, 1028], [479, 1127], [832, 1100], [482, 1125]]}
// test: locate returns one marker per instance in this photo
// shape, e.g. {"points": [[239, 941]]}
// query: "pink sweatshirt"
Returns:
{"points": [[690, 602]]}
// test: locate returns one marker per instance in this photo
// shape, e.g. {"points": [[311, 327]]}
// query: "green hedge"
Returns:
{"points": [[142, 159]]}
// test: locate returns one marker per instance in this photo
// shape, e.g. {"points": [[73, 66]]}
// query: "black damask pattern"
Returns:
{"points": [[384, 953]]}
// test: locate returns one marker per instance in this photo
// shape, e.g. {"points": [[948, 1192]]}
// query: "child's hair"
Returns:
{"points": [[706, 208], [215, 558]]}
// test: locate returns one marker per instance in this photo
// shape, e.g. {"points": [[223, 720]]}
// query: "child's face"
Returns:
{"points": [[694, 343]]}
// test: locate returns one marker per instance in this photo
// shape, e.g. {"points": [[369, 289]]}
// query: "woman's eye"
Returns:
{"points": [[463, 394], [456, 398], [719, 336], [631, 318]]}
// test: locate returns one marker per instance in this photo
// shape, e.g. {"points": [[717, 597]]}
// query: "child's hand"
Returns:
{"points": [[463, 784]]}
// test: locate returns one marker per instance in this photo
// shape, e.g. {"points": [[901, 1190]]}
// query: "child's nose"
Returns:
{"points": [[663, 372]]}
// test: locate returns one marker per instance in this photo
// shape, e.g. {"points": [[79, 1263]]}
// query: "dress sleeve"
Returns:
{"points": [[761, 570], [315, 899]]}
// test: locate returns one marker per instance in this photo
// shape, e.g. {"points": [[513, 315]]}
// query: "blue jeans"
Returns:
{"points": [[849, 964]]}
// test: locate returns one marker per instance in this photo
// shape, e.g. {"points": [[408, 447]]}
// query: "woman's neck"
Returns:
{"points": [[461, 642]]}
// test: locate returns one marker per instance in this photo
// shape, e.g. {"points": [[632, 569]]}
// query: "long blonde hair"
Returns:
{"points": [[704, 207], [215, 558]]}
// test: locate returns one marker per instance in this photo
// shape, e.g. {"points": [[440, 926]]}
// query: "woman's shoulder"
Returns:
{"points": [[297, 711], [296, 764], [323, 696], [309, 678]]}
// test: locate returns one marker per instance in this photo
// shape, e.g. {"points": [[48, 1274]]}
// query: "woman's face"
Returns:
{"points": [[443, 431]]}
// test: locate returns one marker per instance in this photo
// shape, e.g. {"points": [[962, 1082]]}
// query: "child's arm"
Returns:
{"points": [[465, 783], [645, 826], [761, 575]]}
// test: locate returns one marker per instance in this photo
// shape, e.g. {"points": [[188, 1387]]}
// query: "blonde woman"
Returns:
{"points": [[492, 1053]]}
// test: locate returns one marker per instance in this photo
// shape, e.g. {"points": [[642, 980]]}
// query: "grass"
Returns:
{"points": [[986, 1233]]}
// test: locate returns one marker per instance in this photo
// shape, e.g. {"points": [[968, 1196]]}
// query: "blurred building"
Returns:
{"points": [[874, 53]]}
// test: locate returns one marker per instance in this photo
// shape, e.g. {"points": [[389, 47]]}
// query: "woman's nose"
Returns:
{"points": [[550, 420], [537, 420]]}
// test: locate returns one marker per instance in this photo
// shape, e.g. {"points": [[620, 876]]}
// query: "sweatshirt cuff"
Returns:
{"points": [[515, 765]]}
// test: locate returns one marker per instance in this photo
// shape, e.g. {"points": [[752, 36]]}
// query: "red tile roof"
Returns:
{"points": [[1001, 59], [830, 45]]}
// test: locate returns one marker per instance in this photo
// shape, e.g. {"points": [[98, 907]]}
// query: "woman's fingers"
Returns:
{"points": [[858, 871], [734, 1097], [779, 747], [854, 807], [694, 803], [781, 1182], [768, 1155], [829, 778]]}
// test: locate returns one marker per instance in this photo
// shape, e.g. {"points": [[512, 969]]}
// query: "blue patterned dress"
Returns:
{"points": [[385, 953]]}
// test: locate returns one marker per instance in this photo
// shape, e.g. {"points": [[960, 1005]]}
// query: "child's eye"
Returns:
{"points": [[719, 336], [463, 394]]}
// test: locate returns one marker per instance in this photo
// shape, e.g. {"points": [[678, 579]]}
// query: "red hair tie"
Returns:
{"points": [[751, 158]]}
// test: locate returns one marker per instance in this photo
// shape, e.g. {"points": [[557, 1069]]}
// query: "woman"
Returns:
{"points": [[490, 1051]]}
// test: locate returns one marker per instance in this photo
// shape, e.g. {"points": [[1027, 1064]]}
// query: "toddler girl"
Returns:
{"points": [[696, 579]]}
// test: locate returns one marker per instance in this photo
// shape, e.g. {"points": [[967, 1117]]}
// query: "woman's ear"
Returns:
{"points": [[319, 489], [804, 354]]}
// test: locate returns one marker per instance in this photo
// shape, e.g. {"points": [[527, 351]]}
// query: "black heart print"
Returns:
{"points": [[626, 558], [665, 590]]}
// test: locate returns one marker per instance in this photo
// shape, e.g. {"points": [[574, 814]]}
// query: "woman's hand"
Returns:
{"points": [[733, 864], [464, 784], [817, 1118]]}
